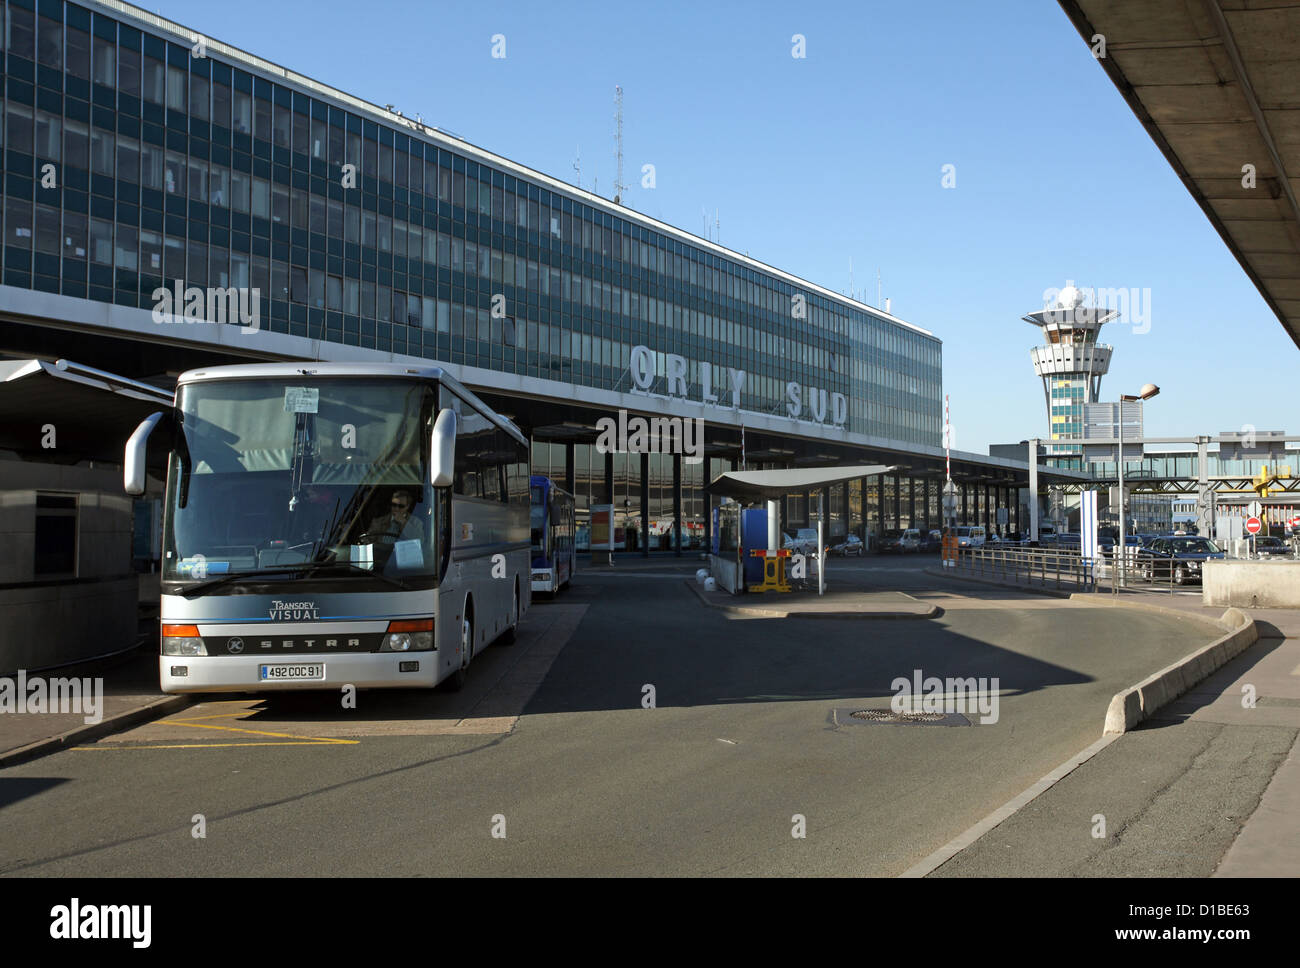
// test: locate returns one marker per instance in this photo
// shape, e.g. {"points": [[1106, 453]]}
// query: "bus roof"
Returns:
{"points": [[250, 371]]}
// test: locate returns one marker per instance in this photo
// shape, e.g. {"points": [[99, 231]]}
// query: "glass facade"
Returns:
{"points": [[130, 163]]}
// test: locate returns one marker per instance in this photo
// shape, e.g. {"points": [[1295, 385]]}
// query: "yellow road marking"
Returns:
{"points": [[210, 746], [293, 739]]}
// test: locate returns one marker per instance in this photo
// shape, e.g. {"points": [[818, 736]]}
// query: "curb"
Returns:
{"points": [[1109, 601], [931, 612], [951, 573], [92, 731], [1139, 702]]}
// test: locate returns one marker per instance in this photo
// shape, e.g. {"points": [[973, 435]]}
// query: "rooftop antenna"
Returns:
{"points": [[577, 165], [717, 228], [619, 187], [851, 293], [877, 288], [704, 215]]}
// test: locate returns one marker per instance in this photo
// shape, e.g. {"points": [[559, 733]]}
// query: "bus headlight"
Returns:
{"points": [[409, 636], [182, 640]]}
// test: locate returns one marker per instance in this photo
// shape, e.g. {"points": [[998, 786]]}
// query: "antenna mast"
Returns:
{"points": [[577, 165], [619, 187]]}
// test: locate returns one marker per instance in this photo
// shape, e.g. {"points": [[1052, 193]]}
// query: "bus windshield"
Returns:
{"points": [[269, 473]]}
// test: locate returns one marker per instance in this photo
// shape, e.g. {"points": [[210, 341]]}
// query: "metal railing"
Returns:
{"points": [[1031, 567], [1066, 568]]}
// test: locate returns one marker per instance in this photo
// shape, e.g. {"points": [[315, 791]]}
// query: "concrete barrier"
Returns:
{"points": [[1251, 584], [1139, 702]]}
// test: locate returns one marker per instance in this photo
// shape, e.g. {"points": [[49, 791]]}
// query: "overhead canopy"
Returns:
{"points": [[1215, 86], [85, 414], [769, 485]]}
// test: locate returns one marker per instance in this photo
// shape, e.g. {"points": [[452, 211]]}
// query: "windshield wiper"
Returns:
{"points": [[239, 576], [308, 567], [311, 567]]}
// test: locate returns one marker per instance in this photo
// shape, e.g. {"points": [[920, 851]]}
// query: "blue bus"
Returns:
{"points": [[553, 524]]}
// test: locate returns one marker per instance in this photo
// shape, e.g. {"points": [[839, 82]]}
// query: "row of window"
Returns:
{"points": [[204, 97], [314, 129]]}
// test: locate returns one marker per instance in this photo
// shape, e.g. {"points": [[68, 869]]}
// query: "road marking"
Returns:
{"points": [[193, 724], [490, 705], [313, 741]]}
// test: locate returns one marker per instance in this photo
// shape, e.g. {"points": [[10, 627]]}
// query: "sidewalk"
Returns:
{"points": [[1208, 786], [130, 696]]}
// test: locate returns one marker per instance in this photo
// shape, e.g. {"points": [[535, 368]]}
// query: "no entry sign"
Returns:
{"points": [[1253, 525]]}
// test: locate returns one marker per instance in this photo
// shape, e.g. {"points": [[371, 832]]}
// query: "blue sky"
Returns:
{"points": [[838, 155]]}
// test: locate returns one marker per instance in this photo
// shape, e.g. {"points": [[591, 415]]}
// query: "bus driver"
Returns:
{"points": [[398, 524]]}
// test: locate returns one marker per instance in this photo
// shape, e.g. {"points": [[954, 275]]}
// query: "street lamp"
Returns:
{"points": [[1148, 391]]}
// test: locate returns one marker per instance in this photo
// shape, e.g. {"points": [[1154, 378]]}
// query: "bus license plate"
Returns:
{"points": [[297, 671]]}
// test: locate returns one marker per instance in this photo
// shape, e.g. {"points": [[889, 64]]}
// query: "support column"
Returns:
{"points": [[677, 505], [645, 505], [1033, 491], [911, 502], [570, 476]]}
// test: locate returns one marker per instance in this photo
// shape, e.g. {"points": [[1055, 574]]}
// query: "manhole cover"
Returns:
{"points": [[887, 717]]}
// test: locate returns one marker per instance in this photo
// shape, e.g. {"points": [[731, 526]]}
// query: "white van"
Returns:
{"points": [[970, 537]]}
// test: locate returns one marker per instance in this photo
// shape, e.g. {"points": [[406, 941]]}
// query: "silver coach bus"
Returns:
{"points": [[330, 524]]}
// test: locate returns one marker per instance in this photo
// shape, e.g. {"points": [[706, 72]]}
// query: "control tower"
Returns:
{"points": [[1071, 362]]}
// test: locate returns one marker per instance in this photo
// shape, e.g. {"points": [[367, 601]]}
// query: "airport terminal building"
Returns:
{"points": [[141, 158]]}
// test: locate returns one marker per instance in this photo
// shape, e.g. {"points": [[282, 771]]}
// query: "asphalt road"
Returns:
{"points": [[750, 742]]}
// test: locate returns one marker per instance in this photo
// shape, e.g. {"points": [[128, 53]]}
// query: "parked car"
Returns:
{"points": [[1266, 545], [851, 545], [1176, 557], [802, 542], [900, 541], [970, 536], [932, 541]]}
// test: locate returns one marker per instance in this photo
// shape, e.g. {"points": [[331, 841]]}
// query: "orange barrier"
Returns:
{"points": [[773, 570], [948, 549]]}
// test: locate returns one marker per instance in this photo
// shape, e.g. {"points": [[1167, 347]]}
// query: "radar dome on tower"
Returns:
{"points": [[1069, 298]]}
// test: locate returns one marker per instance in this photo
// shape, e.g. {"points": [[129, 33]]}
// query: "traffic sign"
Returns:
{"points": [[1253, 525], [1295, 522], [1253, 509]]}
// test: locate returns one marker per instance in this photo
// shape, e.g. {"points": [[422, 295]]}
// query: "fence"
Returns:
{"points": [[1067, 569]]}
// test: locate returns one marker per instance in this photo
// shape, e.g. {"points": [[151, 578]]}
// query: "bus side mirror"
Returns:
{"points": [[133, 463], [442, 453]]}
